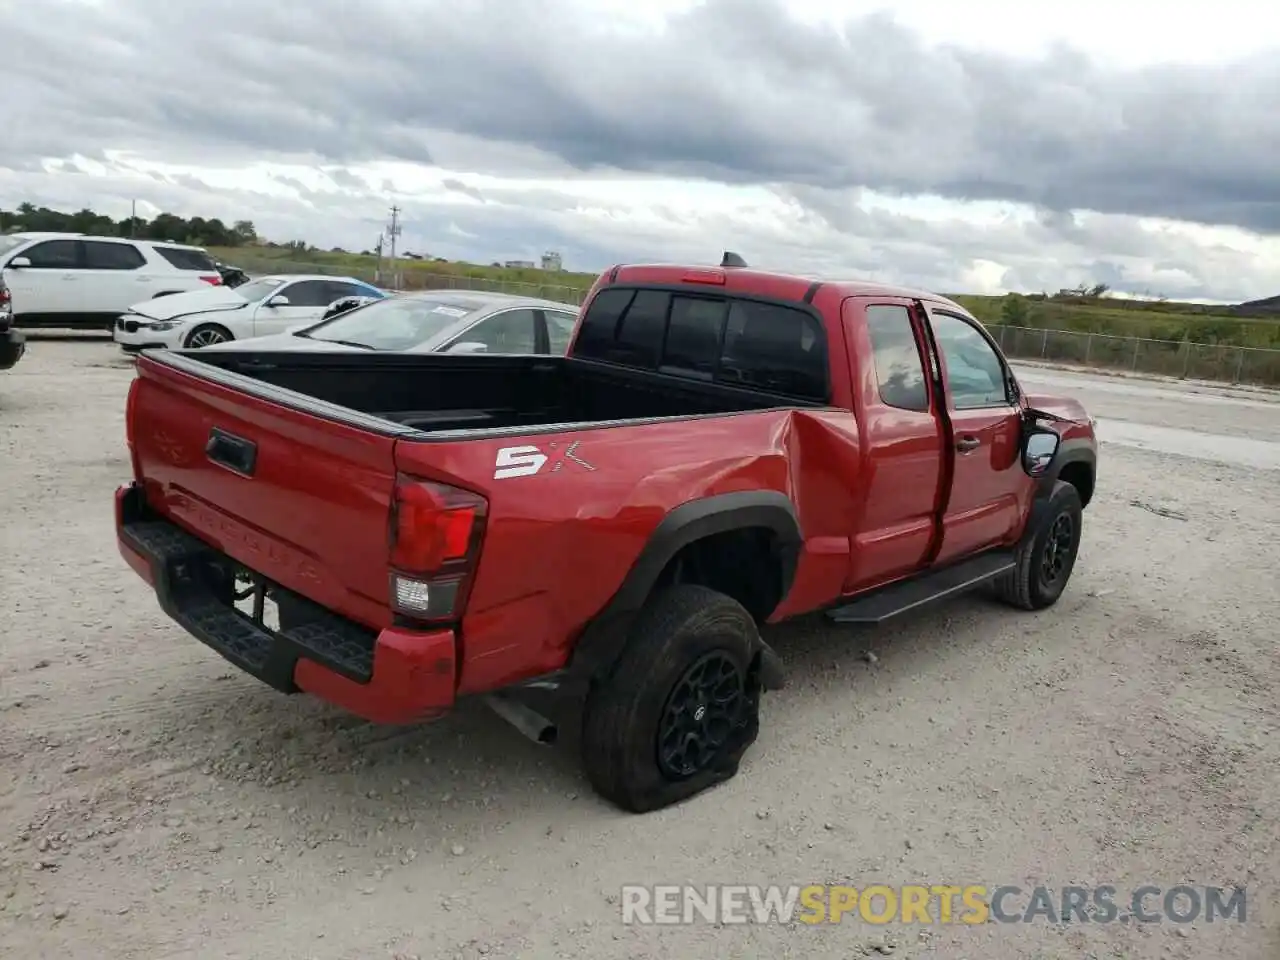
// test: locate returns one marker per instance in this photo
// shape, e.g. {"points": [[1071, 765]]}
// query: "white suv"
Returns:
{"points": [[75, 281]]}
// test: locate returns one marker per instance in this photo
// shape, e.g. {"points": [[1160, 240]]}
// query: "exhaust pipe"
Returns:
{"points": [[523, 717]]}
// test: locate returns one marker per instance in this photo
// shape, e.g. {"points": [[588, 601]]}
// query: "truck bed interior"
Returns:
{"points": [[437, 392]]}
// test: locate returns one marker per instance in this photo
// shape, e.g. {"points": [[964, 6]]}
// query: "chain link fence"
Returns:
{"points": [[1173, 358]]}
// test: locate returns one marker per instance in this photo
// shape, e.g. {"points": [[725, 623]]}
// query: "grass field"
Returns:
{"points": [[1174, 322]]}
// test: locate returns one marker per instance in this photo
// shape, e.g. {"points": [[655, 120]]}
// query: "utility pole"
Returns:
{"points": [[393, 231], [133, 219]]}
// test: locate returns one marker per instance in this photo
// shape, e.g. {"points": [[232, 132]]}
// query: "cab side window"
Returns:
{"points": [[899, 369], [975, 374]]}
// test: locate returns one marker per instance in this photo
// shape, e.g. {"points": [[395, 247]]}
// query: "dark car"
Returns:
{"points": [[12, 343]]}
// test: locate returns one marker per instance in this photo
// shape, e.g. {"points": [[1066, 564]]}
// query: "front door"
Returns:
{"points": [[48, 286], [988, 488], [307, 300]]}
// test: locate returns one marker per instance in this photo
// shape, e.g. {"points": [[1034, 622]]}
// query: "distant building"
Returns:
{"points": [[552, 261], [520, 265]]}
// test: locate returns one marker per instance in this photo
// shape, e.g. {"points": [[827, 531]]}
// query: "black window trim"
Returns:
{"points": [[718, 292], [991, 342]]}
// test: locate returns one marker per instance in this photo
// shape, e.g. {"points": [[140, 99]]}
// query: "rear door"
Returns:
{"points": [[904, 461], [112, 277], [988, 488]]}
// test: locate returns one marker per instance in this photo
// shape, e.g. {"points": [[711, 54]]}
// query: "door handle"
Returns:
{"points": [[231, 451], [965, 444]]}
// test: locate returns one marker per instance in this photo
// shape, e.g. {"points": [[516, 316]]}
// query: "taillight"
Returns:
{"points": [[434, 544], [5, 297], [214, 281]]}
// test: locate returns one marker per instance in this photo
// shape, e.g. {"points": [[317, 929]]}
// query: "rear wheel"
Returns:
{"points": [[206, 335], [1047, 554], [681, 705]]}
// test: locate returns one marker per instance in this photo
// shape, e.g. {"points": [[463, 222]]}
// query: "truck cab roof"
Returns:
{"points": [[733, 275]]}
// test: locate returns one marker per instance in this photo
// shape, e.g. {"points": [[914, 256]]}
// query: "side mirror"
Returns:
{"points": [[468, 347], [1038, 451], [19, 262], [279, 300]]}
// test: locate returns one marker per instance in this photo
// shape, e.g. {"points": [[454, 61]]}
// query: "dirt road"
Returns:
{"points": [[159, 804]]}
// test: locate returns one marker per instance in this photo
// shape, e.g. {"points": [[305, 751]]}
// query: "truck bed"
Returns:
{"points": [[445, 394]]}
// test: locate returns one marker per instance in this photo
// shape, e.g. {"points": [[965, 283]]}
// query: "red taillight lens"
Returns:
{"points": [[213, 281], [5, 296], [434, 525], [435, 538]]}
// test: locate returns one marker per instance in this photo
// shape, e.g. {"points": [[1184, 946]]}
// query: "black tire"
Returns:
{"points": [[204, 330], [1047, 553], [682, 629]]}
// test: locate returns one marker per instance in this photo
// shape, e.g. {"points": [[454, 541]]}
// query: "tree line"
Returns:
{"points": [[165, 226]]}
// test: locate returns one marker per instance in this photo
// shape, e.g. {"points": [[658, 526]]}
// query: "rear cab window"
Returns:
{"points": [[729, 339]]}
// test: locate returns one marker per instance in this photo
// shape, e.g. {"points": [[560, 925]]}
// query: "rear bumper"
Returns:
{"points": [[12, 346], [393, 676]]}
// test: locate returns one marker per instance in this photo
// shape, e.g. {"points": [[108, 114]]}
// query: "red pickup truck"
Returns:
{"points": [[721, 448]]}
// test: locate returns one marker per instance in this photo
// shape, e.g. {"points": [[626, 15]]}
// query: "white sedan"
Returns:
{"points": [[258, 308]]}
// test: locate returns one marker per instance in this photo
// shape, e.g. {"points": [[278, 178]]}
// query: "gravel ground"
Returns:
{"points": [[160, 804]]}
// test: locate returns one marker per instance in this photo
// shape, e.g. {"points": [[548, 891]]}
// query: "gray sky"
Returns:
{"points": [[823, 137]]}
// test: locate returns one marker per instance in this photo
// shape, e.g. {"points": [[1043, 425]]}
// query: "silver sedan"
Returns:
{"points": [[436, 321]]}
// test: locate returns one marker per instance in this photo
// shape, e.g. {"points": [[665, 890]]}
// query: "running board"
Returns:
{"points": [[896, 598]]}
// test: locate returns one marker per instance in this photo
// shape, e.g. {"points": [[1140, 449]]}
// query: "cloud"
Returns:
{"points": [[504, 129], [735, 90]]}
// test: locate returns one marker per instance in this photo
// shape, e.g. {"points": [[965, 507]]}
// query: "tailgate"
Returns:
{"points": [[301, 499]]}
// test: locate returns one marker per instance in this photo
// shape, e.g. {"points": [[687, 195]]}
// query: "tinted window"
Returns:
{"points": [[513, 331], [308, 293], [693, 336], [560, 329], [625, 326], [111, 256], [53, 255], [186, 259], [975, 375], [899, 370], [339, 289], [775, 348]]}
